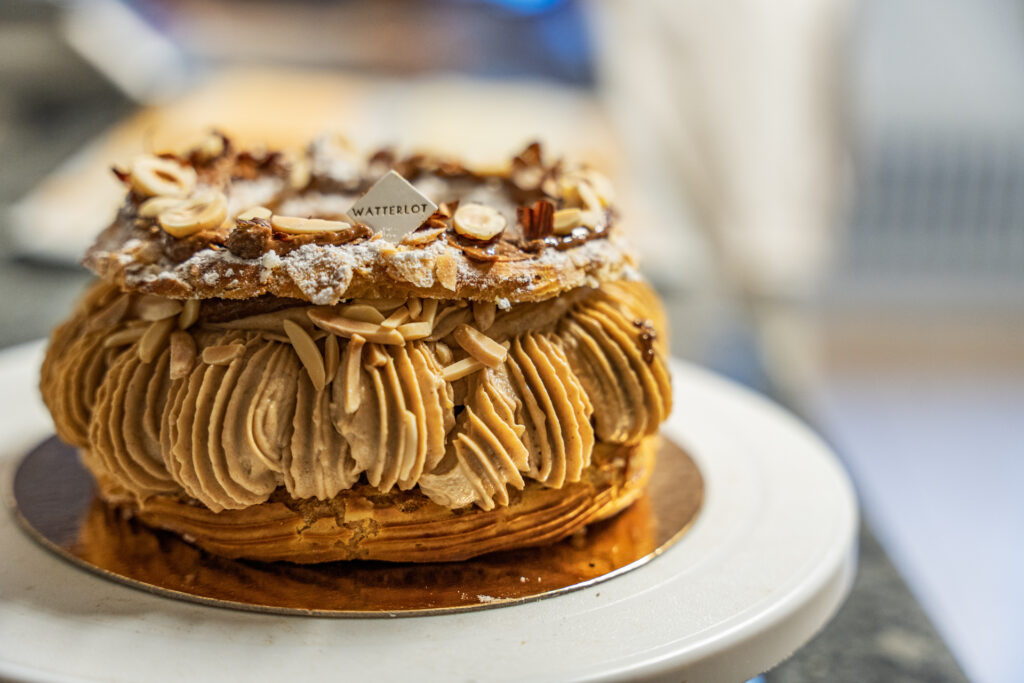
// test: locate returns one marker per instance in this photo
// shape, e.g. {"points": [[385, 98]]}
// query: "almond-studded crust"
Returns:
{"points": [[361, 523], [247, 257]]}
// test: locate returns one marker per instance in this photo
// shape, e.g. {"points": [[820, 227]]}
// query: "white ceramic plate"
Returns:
{"points": [[768, 562]]}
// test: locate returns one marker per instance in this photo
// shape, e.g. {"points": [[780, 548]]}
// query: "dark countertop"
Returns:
{"points": [[51, 103]]}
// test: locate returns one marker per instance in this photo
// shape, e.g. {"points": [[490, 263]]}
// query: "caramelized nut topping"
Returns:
{"points": [[205, 211], [295, 225], [153, 176], [478, 222]]}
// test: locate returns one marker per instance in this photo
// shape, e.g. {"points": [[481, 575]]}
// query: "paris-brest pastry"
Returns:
{"points": [[330, 356]]}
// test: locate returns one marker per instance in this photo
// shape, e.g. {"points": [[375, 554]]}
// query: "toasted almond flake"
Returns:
{"points": [[155, 338], [429, 311], [590, 219], [296, 225], [254, 212], [211, 146], [222, 354], [204, 211], [151, 307], [444, 354], [460, 369], [346, 327], [154, 206], [415, 305], [111, 315], [128, 335], [446, 268], [421, 237], [483, 314], [382, 305], [331, 356], [308, 353], [413, 331], [480, 346], [153, 176], [274, 336], [567, 219], [397, 318], [189, 314], [353, 356], [375, 356], [183, 354], [368, 314], [478, 221]]}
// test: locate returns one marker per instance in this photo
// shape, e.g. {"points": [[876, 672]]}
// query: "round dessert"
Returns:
{"points": [[273, 371]]}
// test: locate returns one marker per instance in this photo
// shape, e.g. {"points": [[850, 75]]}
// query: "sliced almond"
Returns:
{"points": [[204, 211], [421, 237], [478, 221], [331, 356], [447, 269], [483, 314], [567, 219], [157, 177], [123, 337], [368, 314], [222, 354], [189, 314], [151, 307], [155, 339], [295, 225], [353, 358], [112, 314], [397, 318], [464, 367], [183, 354], [254, 212], [308, 353], [444, 354], [429, 311], [480, 346], [382, 305], [154, 206], [413, 331], [300, 173], [415, 305], [346, 327], [588, 197]]}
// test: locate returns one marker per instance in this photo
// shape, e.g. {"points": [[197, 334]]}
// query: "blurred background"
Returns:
{"points": [[828, 193]]}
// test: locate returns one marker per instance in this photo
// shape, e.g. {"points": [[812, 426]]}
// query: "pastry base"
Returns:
{"points": [[65, 515]]}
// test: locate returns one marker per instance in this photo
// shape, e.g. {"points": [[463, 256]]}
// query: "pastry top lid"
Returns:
{"points": [[330, 224]]}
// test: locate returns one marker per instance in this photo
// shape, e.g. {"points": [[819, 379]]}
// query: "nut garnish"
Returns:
{"points": [[204, 211], [308, 353], [151, 307], [254, 212], [183, 354], [478, 222], [295, 225], [154, 206], [375, 356], [566, 219], [446, 267], [353, 358], [397, 318], [483, 314], [331, 356], [346, 327], [189, 314], [157, 177], [480, 346], [155, 338], [413, 331], [444, 354], [368, 314], [537, 220], [421, 237], [122, 337], [222, 354], [464, 367]]}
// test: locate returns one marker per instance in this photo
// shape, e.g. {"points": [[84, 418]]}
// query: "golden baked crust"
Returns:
{"points": [[362, 524], [559, 232]]}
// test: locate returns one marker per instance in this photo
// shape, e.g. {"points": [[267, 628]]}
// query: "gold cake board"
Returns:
{"points": [[55, 502]]}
